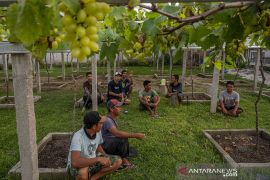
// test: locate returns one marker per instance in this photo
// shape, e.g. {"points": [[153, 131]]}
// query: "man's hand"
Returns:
{"points": [[225, 111], [140, 136], [104, 161], [234, 112]]}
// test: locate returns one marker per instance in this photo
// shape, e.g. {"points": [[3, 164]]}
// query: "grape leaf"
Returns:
{"points": [[73, 5], [27, 27], [150, 28]]}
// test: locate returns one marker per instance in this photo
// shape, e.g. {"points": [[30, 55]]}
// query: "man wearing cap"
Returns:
{"points": [[87, 87], [115, 89], [83, 162], [149, 99], [115, 140]]}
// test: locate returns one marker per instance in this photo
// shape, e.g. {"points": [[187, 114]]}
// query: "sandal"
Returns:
{"points": [[125, 167]]}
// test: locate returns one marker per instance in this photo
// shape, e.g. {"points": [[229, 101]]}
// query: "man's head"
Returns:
{"points": [[147, 85], [230, 86], [175, 78], [117, 77], [114, 107], [89, 76], [124, 73], [92, 120]]}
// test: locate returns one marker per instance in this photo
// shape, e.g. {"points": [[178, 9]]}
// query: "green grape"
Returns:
{"points": [[99, 16], [81, 16], [67, 20], [91, 20], [80, 31], [90, 8], [54, 44], [91, 30], [71, 28], [85, 41], [93, 37], [75, 52], [105, 8], [93, 46], [86, 50]]}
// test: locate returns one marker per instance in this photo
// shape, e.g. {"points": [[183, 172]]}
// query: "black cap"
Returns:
{"points": [[91, 118]]}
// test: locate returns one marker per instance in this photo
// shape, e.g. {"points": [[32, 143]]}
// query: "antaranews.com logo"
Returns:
{"points": [[205, 170]]}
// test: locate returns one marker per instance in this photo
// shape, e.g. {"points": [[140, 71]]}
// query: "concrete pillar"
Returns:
{"points": [[114, 64], [38, 77], [256, 70], [78, 66], [204, 56], [223, 64], [214, 95], [94, 84], [162, 65], [184, 67], [171, 63], [25, 115], [108, 71], [5, 66], [63, 67]]}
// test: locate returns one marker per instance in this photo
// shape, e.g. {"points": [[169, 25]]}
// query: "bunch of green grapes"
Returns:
{"points": [[4, 32], [235, 48], [55, 38], [265, 22], [140, 51], [81, 27]]}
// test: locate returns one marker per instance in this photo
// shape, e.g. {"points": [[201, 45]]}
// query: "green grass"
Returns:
{"points": [[173, 139]]}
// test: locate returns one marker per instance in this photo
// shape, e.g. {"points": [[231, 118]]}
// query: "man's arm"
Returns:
{"points": [[236, 106], [143, 101], [224, 110], [100, 149], [80, 162], [123, 134]]}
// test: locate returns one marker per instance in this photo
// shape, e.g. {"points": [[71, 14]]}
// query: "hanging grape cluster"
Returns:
{"points": [[235, 48], [55, 38], [265, 22], [81, 27]]}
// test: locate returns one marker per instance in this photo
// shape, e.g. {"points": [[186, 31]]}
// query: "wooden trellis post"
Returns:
{"points": [[94, 84], [256, 70]]}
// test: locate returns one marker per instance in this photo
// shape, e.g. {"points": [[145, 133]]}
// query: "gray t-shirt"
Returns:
{"points": [[149, 95], [87, 147], [229, 99], [109, 122]]}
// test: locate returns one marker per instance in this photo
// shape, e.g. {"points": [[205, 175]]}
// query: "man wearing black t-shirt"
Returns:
{"points": [[115, 89], [175, 88]]}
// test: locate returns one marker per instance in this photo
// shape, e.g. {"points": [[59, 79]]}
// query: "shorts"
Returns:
{"points": [[229, 108], [94, 168], [142, 107]]}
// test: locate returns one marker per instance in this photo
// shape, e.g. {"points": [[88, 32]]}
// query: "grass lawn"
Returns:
{"points": [[173, 139]]}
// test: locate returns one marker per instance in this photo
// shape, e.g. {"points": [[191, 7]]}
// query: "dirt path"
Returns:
{"points": [[249, 74]]}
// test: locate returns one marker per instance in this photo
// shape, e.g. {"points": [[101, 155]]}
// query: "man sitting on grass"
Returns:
{"points": [[115, 140], [175, 89], [87, 87], [83, 162], [149, 99], [115, 89], [229, 101]]}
